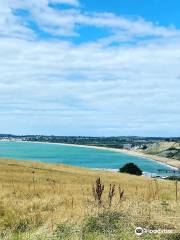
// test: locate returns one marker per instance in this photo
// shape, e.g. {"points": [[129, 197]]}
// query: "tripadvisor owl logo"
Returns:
{"points": [[139, 231]]}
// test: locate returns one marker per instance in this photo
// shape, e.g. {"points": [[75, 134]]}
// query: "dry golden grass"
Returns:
{"points": [[38, 196]]}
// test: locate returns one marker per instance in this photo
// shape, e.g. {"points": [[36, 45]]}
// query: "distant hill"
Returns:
{"points": [[165, 149]]}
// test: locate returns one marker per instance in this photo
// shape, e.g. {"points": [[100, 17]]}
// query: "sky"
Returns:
{"points": [[90, 67]]}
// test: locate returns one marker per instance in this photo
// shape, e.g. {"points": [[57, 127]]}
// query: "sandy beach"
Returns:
{"points": [[174, 164]]}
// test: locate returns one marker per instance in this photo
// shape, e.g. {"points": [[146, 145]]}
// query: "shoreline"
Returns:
{"points": [[161, 160], [172, 163]]}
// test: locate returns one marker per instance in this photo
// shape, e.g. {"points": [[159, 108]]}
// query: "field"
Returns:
{"points": [[45, 201]]}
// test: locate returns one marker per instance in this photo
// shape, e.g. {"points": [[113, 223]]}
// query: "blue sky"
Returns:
{"points": [[99, 68], [165, 12]]}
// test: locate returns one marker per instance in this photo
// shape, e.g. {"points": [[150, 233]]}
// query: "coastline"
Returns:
{"points": [[173, 164]]}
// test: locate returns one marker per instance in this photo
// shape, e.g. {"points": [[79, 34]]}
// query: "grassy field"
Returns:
{"points": [[44, 201]]}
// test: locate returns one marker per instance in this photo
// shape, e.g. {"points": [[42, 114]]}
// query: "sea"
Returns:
{"points": [[87, 157]]}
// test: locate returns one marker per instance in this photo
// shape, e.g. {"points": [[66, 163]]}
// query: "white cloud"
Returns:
{"points": [[59, 22], [55, 86], [90, 85], [70, 2]]}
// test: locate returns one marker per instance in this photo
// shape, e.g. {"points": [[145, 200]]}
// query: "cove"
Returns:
{"points": [[75, 156]]}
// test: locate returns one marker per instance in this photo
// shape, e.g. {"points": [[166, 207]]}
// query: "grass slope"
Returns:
{"points": [[44, 201]]}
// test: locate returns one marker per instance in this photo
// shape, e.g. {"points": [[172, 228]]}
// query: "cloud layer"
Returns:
{"points": [[124, 83]]}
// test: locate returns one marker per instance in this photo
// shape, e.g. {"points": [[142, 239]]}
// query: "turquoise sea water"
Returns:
{"points": [[76, 156]]}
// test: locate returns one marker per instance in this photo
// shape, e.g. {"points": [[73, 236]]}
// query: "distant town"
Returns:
{"points": [[122, 142]]}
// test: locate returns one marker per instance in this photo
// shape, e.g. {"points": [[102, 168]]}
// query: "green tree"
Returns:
{"points": [[131, 168]]}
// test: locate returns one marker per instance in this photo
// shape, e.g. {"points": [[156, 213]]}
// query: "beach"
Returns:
{"points": [[174, 164]]}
